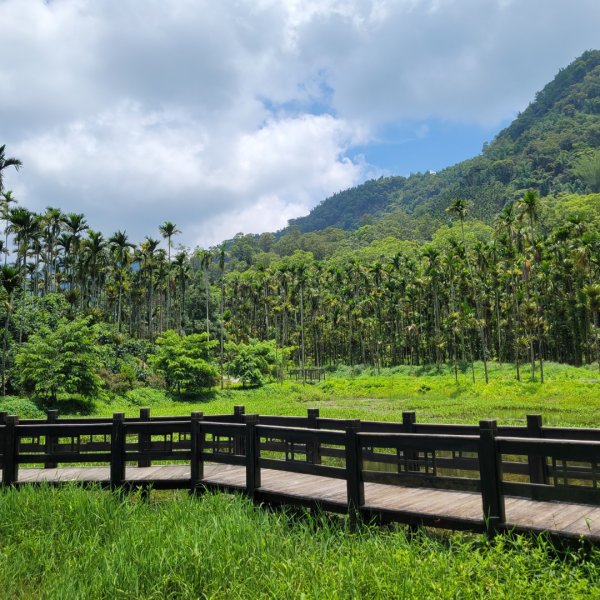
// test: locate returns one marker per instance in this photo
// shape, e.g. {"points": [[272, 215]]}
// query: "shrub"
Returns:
{"points": [[145, 397], [22, 407]]}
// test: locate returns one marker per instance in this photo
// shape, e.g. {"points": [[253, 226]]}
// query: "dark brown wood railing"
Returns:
{"points": [[530, 461]]}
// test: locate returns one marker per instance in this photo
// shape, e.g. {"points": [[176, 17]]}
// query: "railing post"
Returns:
{"points": [[409, 418], [238, 417], [10, 466], [197, 447], [3, 415], [117, 451], [313, 448], [490, 469], [144, 439], [538, 473], [252, 456], [355, 486], [52, 417]]}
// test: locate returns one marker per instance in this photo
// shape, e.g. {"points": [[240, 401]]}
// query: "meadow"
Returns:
{"points": [[570, 396], [76, 543]]}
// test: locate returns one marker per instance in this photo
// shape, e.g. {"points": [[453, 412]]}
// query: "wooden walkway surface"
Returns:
{"points": [[406, 504]]}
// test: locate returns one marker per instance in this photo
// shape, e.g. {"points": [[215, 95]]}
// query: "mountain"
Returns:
{"points": [[541, 149]]}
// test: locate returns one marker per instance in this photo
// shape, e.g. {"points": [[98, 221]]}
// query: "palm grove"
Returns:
{"points": [[85, 312]]}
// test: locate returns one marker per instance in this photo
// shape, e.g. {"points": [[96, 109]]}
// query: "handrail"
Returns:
{"points": [[419, 459]]}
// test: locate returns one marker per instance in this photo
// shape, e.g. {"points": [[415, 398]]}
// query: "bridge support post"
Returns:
{"points": [[238, 417], [490, 469], [10, 465], [52, 417], [409, 418], [197, 447], [355, 487], [144, 439], [313, 448], [253, 481], [117, 451], [538, 472]]}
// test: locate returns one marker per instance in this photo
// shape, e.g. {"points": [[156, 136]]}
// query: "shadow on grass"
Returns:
{"points": [[211, 394], [196, 397], [71, 406]]}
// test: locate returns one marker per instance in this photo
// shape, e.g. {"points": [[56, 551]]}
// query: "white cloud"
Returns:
{"points": [[130, 169], [229, 116]]}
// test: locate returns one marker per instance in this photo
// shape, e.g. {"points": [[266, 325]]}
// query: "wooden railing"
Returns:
{"points": [[532, 461]]}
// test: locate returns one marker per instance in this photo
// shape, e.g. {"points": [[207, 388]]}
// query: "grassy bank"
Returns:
{"points": [[570, 396], [73, 543]]}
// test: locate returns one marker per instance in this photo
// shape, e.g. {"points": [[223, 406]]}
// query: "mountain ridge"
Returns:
{"points": [[539, 150]]}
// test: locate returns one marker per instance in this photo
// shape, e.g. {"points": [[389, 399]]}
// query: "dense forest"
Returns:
{"points": [[442, 274]]}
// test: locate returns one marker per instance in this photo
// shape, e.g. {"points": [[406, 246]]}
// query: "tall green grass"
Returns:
{"points": [[75, 543]]}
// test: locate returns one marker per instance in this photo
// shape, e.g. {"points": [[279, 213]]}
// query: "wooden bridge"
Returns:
{"points": [[478, 478]]}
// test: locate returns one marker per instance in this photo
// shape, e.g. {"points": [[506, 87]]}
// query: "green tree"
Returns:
{"points": [[120, 247], [251, 363], [11, 280], [587, 169], [184, 361], [459, 207], [60, 360], [168, 230]]}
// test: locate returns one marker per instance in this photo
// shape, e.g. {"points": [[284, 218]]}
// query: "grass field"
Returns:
{"points": [[75, 543], [570, 396]]}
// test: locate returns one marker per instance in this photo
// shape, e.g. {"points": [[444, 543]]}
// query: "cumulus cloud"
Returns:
{"points": [[236, 116], [129, 168]]}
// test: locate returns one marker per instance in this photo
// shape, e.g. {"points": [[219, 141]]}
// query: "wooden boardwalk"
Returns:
{"points": [[479, 478], [404, 503]]}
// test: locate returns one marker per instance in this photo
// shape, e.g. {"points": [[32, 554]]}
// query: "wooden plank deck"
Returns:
{"points": [[396, 502]]}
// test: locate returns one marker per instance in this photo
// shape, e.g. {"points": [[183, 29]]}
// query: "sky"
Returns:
{"points": [[237, 115]]}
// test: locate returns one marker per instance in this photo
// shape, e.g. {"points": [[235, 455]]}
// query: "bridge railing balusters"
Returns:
{"points": [[490, 466], [197, 448], [409, 419], [10, 464], [355, 487], [144, 439], [253, 479], [51, 417], [238, 417], [117, 451], [538, 471], [313, 448], [3, 416]]}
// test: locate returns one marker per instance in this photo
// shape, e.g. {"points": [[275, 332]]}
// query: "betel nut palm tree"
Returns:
{"points": [[168, 230], [5, 163]]}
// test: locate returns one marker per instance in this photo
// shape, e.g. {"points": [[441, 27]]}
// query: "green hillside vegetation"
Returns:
{"points": [[551, 147]]}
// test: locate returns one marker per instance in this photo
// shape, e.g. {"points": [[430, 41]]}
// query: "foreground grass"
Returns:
{"points": [[75, 543], [570, 396]]}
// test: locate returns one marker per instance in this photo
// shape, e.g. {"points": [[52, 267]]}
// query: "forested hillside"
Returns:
{"points": [[542, 149]]}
